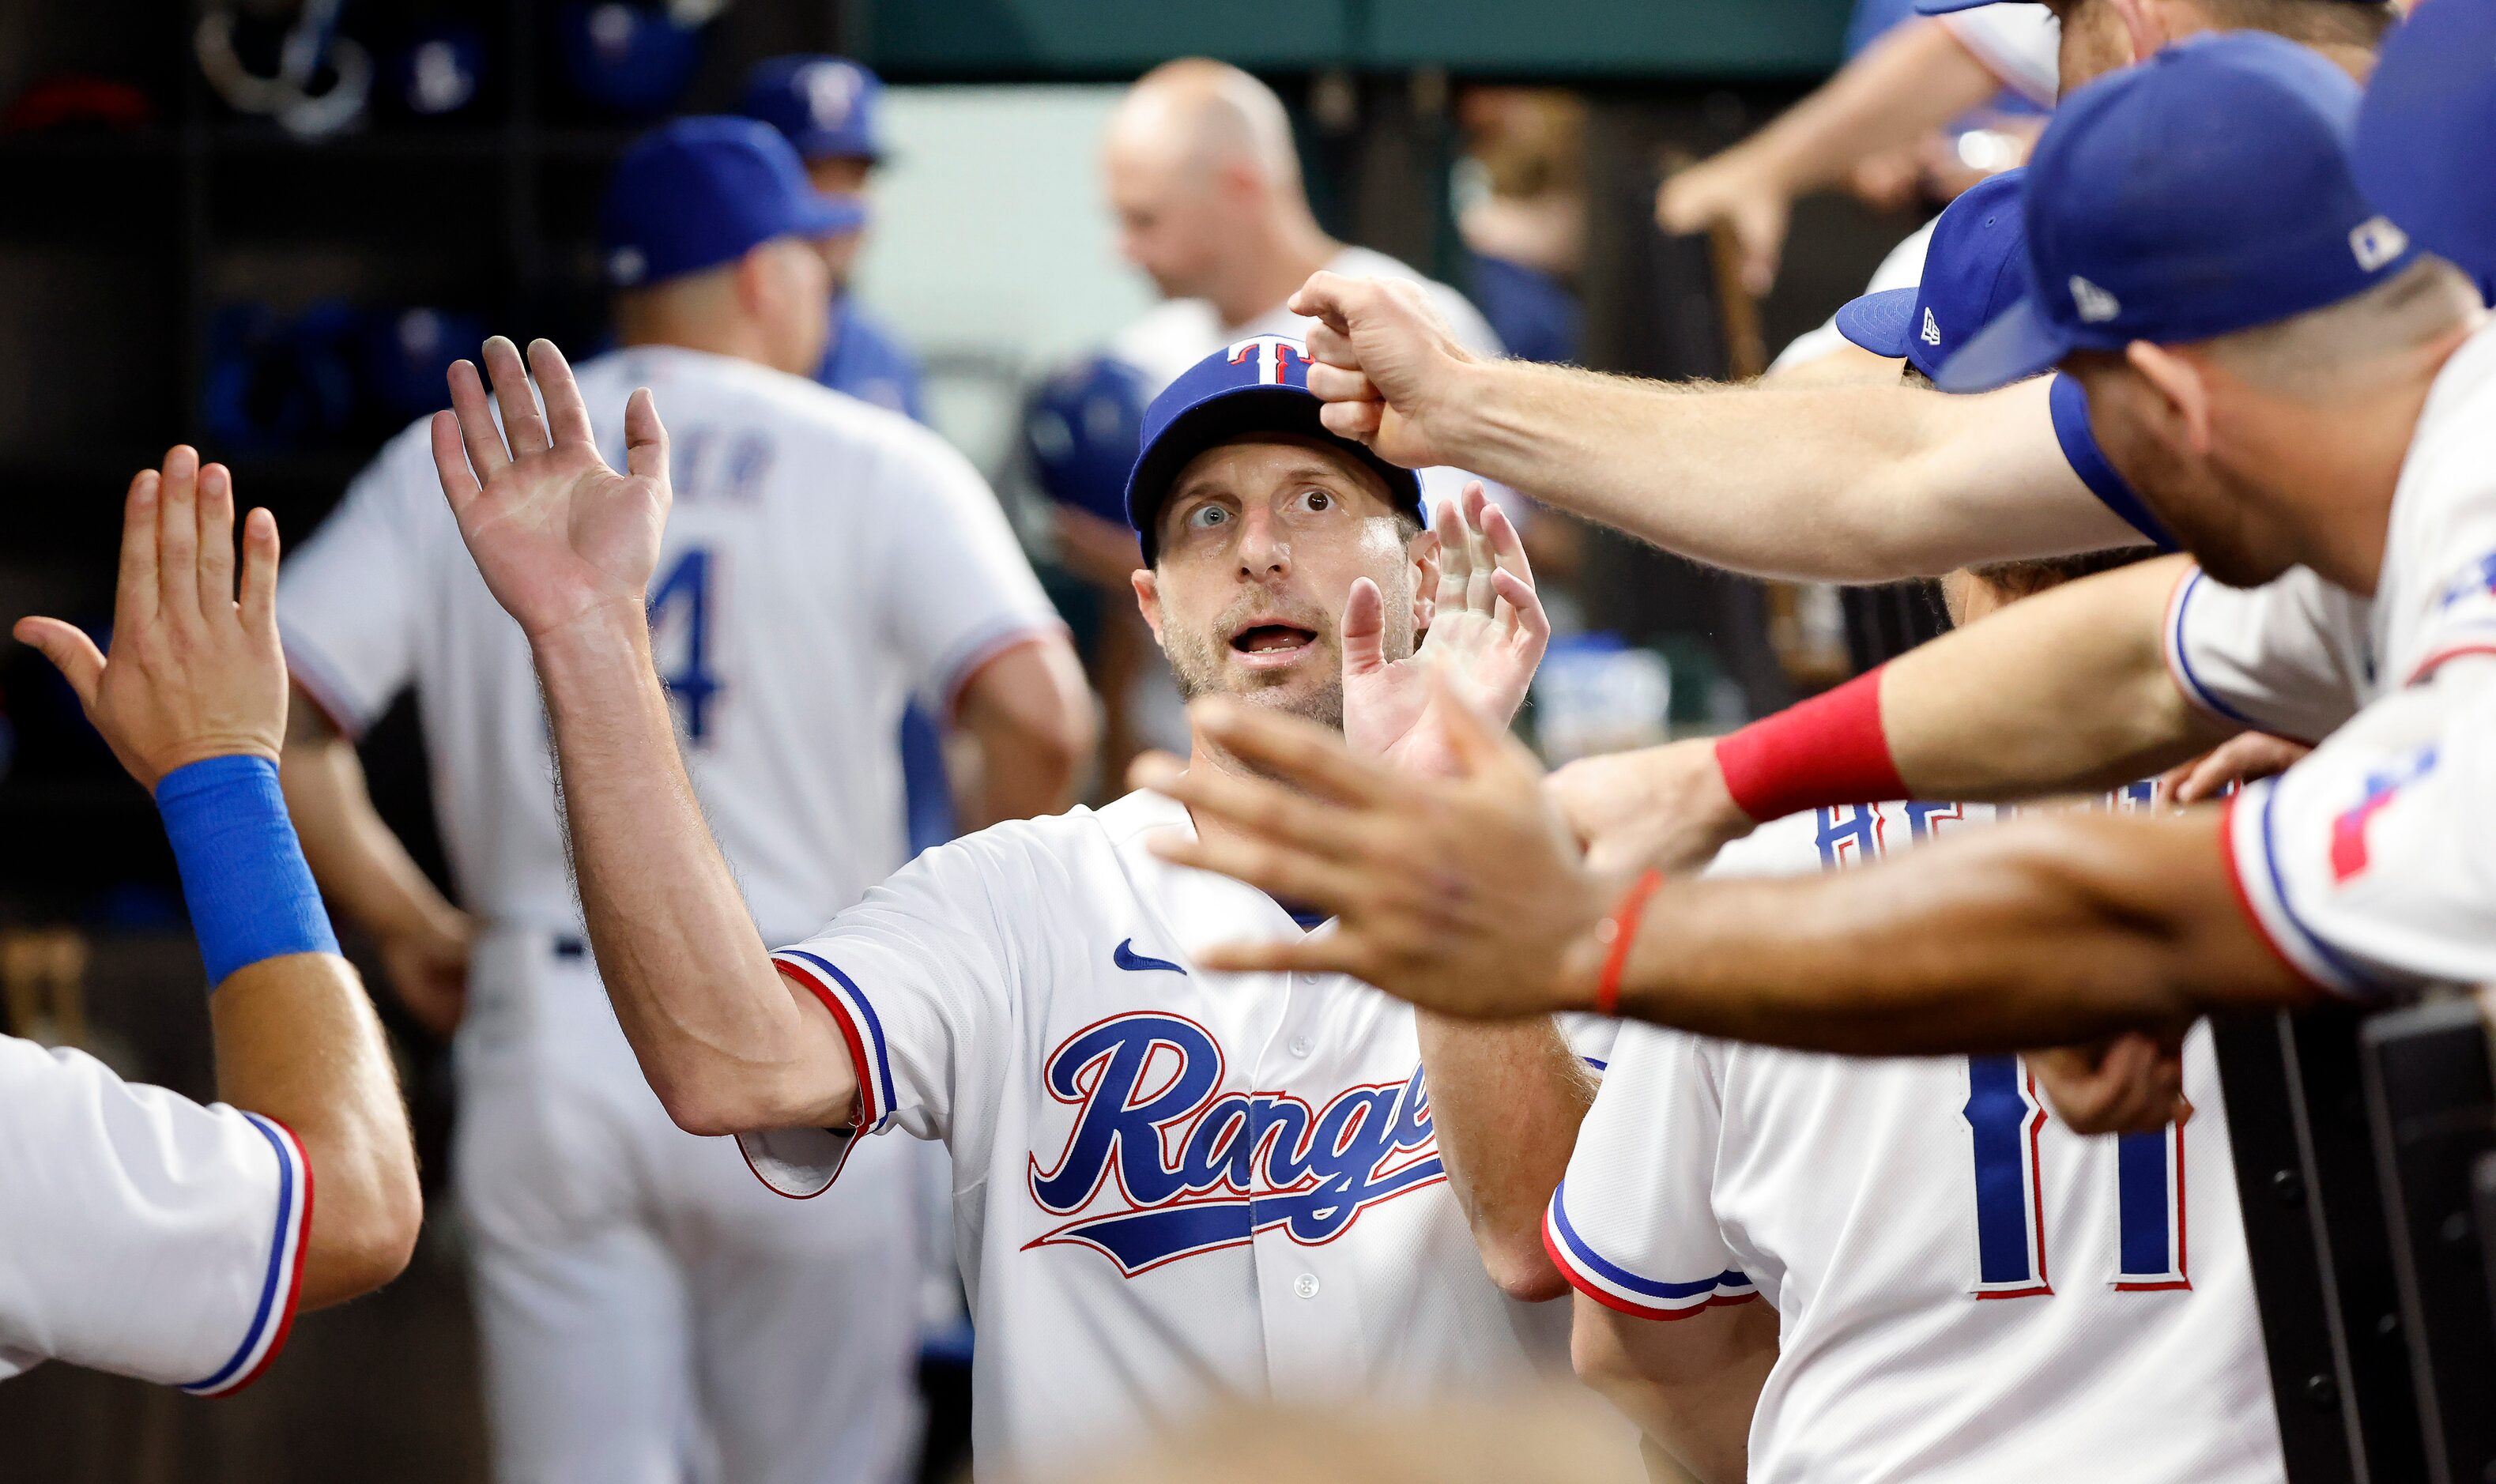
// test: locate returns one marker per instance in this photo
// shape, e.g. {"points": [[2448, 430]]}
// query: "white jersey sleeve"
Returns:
{"points": [[349, 599], [142, 1233], [2288, 658], [1631, 1226], [2361, 865], [917, 976], [956, 589], [2022, 45]]}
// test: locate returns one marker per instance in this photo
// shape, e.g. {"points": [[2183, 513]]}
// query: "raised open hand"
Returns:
{"points": [[560, 536], [195, 671], [1488, 634]]}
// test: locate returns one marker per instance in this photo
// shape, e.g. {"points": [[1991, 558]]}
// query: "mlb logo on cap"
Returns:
{"points": [[1260, 385]]}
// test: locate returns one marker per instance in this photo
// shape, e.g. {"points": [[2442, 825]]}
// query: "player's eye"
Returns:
{"points": [[1313, 501], [1205, 517]]}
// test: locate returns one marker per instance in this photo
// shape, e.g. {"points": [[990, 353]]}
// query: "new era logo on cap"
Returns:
{"points": [[2094, 304], [1932, 333]]}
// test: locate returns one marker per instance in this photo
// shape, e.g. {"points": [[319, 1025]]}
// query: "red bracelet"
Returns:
{"points": [[1830, 749], [1618, 931]]}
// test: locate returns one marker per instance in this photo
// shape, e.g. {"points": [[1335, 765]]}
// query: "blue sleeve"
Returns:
{"points": [[2071, 406]]}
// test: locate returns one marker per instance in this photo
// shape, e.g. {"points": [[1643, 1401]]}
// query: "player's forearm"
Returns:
{"points": [[297, 1042], [1841, 483], [1907, 84], [1506, 1100], [361, 866], [1033, 718], [1690, 1384], [2065, 691], [2043, 932], [723, 1041]]}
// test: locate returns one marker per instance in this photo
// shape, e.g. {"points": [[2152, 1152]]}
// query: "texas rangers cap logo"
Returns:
{"points": [[831, 89], [1273, 356]]}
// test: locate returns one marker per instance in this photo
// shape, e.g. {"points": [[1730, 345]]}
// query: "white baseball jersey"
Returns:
{"points": [[812, 536], [139, 1232], [2022, 45], [2302, 657], [1965, 1289], [1171, 1186], [2363, 864]]}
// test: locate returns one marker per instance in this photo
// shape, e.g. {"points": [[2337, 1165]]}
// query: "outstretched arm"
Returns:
{"points": [[1841, 483], [193, 700], [1467, 897], [566, 545], [2067, 691]]}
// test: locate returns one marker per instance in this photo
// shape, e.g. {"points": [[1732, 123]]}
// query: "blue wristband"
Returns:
{"points": [[250, 893]]}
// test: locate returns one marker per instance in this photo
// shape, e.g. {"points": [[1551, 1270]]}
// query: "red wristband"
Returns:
{"points": [[1828, 750], [1619, 930]]}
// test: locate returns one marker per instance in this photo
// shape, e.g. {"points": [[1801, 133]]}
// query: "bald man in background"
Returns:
{"points": [[1206, 183]]}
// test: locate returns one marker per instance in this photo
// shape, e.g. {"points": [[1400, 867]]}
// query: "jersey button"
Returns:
{"points": [[1306, 1285], [1302, 1045], [1308, 979]]}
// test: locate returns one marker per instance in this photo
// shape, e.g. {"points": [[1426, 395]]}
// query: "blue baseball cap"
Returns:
{"points": [[1082, 429], [1975, 267], [700, 192], [2425, 149], [2207, 190], [1260, 385], [824, 106]]}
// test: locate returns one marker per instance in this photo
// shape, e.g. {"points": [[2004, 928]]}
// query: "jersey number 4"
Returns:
{"points": [[2005, 1117], [680, 633]]}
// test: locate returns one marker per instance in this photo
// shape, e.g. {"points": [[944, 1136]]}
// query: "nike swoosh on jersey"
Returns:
{"points": [[1126, 957]]}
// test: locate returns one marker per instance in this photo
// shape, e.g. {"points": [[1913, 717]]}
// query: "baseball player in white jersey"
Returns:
{"points": [[2311, 422], [1958, 1284], [1171, 1185], [140, 1232], [644, 1302]]}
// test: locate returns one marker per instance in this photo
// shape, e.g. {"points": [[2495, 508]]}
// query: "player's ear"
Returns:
{"points": [[1424, 551], [2180, 391], [2146, 24], [1148, 599]]}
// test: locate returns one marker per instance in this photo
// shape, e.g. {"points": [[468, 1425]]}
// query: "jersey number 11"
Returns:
{"points": [[2005, 1117]]}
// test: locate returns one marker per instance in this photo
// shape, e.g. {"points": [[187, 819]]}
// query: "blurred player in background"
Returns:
{"points": [[1174, 1188], [1911, 1218], [144, 1234], [643, 1299], [829, 109], [1205, 180]]}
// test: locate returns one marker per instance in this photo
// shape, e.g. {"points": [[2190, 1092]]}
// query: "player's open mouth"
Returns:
{"points": [[1272, 644]]}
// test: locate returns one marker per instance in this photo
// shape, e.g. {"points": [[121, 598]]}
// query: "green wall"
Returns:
{"points": [[1688, 39]]}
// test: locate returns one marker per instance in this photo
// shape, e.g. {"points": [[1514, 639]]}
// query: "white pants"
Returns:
{"points": [[651, 1313]]}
